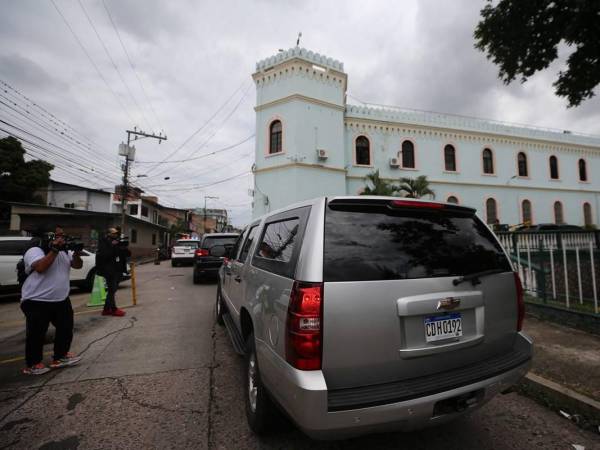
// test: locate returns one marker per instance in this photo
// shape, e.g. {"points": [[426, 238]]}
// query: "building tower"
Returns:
{"points": [[300, 104]]}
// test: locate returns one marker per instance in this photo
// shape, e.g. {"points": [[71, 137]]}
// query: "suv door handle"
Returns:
{"points": [[238, 279]]}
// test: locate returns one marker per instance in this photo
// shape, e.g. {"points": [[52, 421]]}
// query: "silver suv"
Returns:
{"points": [[365, 314]]}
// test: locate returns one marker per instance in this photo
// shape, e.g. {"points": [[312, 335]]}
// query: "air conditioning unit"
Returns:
{"points": [[322, 154], [394, 162]]}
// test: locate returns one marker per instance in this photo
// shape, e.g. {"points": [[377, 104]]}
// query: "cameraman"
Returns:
{"points": [[109, 265], [45, 300]]}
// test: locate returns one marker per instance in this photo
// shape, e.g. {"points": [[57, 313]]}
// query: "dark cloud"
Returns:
{"points": [[191, 56]]}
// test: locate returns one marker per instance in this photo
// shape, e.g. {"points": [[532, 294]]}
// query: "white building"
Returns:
{"points": [[65, 195], [311, 142]]}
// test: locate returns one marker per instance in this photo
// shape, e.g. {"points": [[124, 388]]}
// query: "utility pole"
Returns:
{"points": [[129, 154], [204, 220]]}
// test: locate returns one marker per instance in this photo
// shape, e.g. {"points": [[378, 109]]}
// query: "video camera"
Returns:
{"points": [[71, 243]]}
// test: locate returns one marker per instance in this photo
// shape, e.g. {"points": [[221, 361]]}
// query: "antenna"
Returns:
{"points": [[298, 40]]}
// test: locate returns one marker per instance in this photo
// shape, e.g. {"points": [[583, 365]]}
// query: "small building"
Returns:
{"points": [[65, 195], [87, 226]]}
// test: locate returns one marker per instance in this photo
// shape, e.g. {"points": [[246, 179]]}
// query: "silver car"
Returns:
{"points": [[365, 314]]}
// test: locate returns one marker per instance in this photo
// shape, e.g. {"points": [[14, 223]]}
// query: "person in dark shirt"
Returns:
{"points": [[109, 265]]}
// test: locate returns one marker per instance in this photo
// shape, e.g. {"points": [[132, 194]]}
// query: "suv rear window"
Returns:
{"points": [[226, 241], [193, 244], [375, 242]]}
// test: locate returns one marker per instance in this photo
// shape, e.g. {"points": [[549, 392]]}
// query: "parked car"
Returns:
{"points": [[549, 227], [12, 249], [183, 251], [209, 255], [365, 314]]}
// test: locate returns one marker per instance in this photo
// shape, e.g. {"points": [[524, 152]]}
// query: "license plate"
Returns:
{"points": [[443, 327]]}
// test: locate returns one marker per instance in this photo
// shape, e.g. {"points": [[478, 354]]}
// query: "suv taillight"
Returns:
{"points": [[201, 252], [304, 326], [520, 302]]}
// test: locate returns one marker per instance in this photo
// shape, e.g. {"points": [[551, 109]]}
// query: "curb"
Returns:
{"points": [[558, 397]]}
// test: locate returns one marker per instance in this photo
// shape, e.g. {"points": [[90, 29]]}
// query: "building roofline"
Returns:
{"points": [[79, 212], [81, 187]]}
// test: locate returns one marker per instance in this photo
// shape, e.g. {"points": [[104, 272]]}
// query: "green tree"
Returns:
{"points": [[380, 186], [522, 37], [416, 187], [19, 179]]}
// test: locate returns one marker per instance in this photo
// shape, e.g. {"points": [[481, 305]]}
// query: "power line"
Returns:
{"points": [[78, 155], [201, 156], [207, 140], [92, 61], [204, 125], [113, 62], [131, 64], [63, 136]]}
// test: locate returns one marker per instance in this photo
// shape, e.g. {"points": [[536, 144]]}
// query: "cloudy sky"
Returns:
{"points": [[184, 68]]}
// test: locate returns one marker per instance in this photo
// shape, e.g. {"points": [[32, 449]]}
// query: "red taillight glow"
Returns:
{"points": [[416, 204], [201, 252], [520, 302], [304, 326]]}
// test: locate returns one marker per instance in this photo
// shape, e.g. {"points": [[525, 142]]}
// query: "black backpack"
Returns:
{"points": [[21, 272]]}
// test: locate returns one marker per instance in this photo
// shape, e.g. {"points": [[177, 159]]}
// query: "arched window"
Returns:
{"points": [[587, 214], [275, 137], [452, 199], [582, 170], [526, 211], [408, 155], [363, 152], [450, 158], [522, 163], [491, 211], [553, 167], [558, 213], [488, 161]]}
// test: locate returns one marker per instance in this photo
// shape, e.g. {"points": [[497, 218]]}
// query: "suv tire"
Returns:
{"points": [[196, 277], [259, 408], [219, 308]]}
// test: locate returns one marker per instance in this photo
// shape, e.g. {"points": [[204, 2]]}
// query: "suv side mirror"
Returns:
{"points": [[218, 250]]}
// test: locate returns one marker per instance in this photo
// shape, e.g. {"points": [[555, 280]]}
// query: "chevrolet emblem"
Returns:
{"points": [[448, 303]]}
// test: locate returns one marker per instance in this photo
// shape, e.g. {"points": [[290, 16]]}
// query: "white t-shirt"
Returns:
{"points": [[53, 285]]}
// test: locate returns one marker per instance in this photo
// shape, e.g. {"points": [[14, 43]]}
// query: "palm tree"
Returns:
{"points": [[380, 186], [416, 187]]}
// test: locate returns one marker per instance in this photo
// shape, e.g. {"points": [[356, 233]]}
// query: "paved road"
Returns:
{"points": [[165, 377]]}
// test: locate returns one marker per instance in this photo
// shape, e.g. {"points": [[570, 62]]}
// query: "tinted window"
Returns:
{"points": [[226, 241], [14, 248], [248, 243], [238, 243], [193, 244], [378, 243], [279, 240]]}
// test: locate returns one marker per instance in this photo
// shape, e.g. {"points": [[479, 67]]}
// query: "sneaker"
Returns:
{"points": [[118, 312], [107, 312], [70, 359], [38, 369]]}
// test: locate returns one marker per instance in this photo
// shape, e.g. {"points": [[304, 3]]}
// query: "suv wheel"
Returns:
{"points": [[259, 409], [196, 276], [219, 308]]}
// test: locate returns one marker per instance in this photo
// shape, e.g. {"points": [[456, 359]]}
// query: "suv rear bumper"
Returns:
{"points": [[305, 398]]}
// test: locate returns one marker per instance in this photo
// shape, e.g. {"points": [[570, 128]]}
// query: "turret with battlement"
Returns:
{"points": [[300, 105]]}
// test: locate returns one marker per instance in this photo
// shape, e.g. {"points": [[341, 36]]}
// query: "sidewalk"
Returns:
{"points": [[566, 356], [565, 372]]}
